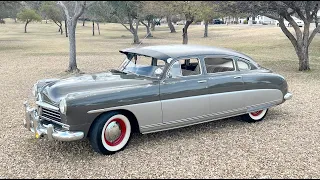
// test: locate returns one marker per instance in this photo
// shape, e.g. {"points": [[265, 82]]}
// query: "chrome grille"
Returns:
{"points": [[49, 114]]}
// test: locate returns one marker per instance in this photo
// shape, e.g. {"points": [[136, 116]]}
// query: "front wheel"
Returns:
{"points": [[255, 116], [110, 133]]}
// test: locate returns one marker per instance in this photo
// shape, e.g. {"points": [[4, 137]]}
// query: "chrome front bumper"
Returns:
{"points": [[287, 96], [32, 123]]}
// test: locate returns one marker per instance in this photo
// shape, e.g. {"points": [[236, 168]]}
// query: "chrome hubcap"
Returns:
{"points": [[113, 131]]}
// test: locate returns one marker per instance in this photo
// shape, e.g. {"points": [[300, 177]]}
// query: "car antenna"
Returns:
{"points": [[143, 39]]}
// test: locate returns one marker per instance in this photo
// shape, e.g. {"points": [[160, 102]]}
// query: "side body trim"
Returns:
{"points": [[150, 116]]}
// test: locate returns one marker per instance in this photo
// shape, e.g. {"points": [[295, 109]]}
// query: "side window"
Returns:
{"points": [[190, 67], [218, 64], [185, 67], [243, 65]]}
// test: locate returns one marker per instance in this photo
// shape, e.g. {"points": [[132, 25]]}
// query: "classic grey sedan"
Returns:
{"points": [[155, 88]]}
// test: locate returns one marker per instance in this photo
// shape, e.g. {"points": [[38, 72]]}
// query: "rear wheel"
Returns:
{"points": [[255, 116], [110, 133]]}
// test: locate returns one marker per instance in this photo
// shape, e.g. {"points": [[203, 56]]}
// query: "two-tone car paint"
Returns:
{"points": [[166, 103]]}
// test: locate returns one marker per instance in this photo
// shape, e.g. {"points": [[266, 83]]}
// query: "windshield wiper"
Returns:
{"points": [[117, 71]]}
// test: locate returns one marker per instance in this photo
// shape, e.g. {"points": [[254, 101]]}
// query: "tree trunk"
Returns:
{"points": [[185, 32], [72, 45], [61, 31], [98, 27], [303, 49], [46, 21], [206, 23], [25, 26], [172, 29], [149, 32], [148, 29], [303, 55], [135, 33], [153, 25], [92, 28], [65, 27], [83, 22], [135, 38], [59, 25], [300, 43]]}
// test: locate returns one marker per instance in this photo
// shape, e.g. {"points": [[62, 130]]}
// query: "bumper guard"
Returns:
{"points": [[32, 123]]}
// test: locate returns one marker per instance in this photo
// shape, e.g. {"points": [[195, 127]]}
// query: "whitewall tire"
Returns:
{"points": [[255, 116], [110, 133]]}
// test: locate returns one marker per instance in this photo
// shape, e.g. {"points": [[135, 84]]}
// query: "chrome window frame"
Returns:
{"points": [[245, 61], [220, 56]]}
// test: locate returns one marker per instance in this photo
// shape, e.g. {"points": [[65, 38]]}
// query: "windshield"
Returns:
{"points": [[143, 65]]}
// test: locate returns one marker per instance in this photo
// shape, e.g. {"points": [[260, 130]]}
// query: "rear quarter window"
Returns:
{"points": [[245, 65]]}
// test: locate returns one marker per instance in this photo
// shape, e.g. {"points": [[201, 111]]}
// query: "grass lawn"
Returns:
{"points": [[284, 145]]}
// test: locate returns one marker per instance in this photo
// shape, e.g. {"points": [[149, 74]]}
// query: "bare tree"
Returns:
{"points": [[72, 19], [170, 25], [190, 9], [127, 11], [154, 11], [28, 15], [98, 12], [207, 13], [147, 27], [53, 12], [284, 10]]}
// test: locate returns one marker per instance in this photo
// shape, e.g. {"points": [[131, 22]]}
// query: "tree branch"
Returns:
{"points": [[293, 6], [80, 12], [143, 23], [287, 32], [272, 17], [56, 22], [65, 9], [75, 8], [314, 32], [294, 25], [304, 19], [315, 11], [122, 23]]}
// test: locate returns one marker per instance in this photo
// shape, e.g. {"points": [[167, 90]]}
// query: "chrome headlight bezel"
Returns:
{"points": [[63, 106]]}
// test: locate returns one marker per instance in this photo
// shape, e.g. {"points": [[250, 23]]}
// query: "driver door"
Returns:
{"points": [[183, 93]]}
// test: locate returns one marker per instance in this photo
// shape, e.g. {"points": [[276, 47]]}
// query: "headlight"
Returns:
{"points": [[63, 106], [35, 90]]}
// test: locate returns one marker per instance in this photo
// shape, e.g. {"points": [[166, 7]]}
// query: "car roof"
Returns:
{"points": [[178, 50]]}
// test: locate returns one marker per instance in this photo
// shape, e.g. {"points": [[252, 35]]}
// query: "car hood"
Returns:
{"points": [[54, 91]]}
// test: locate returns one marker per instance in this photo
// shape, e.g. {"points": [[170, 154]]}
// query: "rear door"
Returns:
{"points": [[225, 85], [184, 93], [259, 91]]}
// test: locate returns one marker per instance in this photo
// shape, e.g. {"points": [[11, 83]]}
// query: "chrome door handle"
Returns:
{"points": [[237, 77], [202, 81]]}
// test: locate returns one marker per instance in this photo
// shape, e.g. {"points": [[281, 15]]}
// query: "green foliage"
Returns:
{"points": [[10, 4], [125, 9], [28, 15], [52, 11], [9, 9], [99, 11], [245, 22], [207, 11]]}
